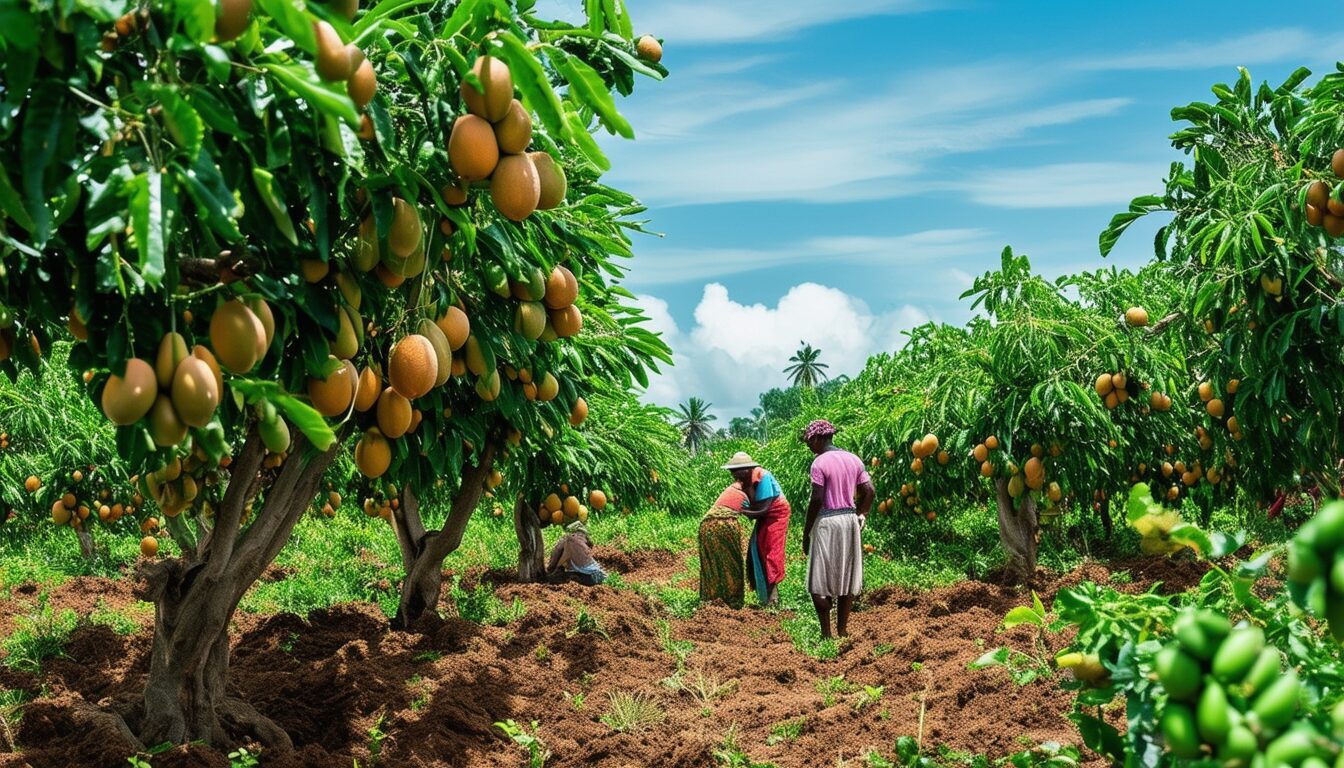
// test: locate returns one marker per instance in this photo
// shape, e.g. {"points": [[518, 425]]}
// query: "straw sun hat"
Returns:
{"points": [[740, 460]]}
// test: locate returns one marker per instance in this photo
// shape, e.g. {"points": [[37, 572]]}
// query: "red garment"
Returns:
{"points": [[731, 498], [770, 533]]}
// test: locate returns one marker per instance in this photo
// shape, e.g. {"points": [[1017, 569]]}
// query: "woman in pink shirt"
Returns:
{"points": [[833, 530]]}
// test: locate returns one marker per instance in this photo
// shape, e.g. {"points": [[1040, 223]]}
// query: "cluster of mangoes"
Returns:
{"points": [[1316, 566], [1230, 699]]}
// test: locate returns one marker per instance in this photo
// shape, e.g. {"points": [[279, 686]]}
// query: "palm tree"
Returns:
{"points": [[694, 423], [806, 372], [762, 426]]}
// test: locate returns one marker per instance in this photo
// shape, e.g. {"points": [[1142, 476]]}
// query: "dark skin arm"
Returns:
{"points": [[865, 498], [813, 509], [756, 508]]}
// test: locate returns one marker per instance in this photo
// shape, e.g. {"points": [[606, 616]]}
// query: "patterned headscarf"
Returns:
{"points": [[818, 428]]}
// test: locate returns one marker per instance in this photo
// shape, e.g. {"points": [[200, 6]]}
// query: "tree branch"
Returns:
{"points": [[1161, 325], [468, 495], [409, 527], [241, 475]]}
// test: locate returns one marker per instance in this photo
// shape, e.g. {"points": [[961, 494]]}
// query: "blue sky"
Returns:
{"points": [[837, 172]]}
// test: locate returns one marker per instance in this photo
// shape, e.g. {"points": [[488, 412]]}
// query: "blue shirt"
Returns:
{"points": [[768, 487]]}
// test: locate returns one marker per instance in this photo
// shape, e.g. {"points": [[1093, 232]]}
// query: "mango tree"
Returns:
{"points": [[1256, 215], [1040, 400], [275, 227], [624, 459]]}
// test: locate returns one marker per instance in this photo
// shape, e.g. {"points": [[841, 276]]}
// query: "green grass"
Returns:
{"points": [[628, 712], [38, 636]]}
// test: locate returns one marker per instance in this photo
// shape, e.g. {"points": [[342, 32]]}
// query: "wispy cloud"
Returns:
{"points": [[732, 140], [1063, 185], [1256, 48], [669, 266], [709, 22]]}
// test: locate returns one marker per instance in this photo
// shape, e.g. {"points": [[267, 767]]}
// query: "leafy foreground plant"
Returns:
{"points": [[730, 755], [1219, 674], [631, 712], [529, 740]]}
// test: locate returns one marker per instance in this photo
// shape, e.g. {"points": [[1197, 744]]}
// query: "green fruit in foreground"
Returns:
{"points": [[1178, 672], [1290, 749], [1263, 672], [1237, 653], [1304, 565], [1334, 614], [1239, 747], [1337, 576], [274, 435], [1329, 528], [1200, 631], [1178, 727], [1277, 705], [1212, 715]]}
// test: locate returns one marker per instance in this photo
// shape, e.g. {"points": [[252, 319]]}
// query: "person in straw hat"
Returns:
{"points": [[722, 572], [574, 553], [833, 529], [766, 505]]}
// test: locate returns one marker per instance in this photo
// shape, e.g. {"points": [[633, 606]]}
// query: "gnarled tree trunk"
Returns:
{"points": [[531, 547], [1018, 531], [196, 595], [423, 552]]}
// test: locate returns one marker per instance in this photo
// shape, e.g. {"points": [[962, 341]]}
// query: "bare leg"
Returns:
{"points": [[823, 606], [843, 606], [772, 600]]}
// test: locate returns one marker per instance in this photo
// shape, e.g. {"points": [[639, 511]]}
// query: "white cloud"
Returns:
{"points": [[719, 139], [1064, 185], [699, 22], [683, 265], [735, 351], [1257, 48]]}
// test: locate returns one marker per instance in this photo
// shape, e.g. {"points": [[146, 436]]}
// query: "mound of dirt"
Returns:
{"points": [[347, 688]]}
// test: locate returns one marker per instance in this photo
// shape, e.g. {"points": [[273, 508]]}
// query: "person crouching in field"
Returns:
{"points": [[574, 553], [767, 506], [833, 530], [722, 575]]}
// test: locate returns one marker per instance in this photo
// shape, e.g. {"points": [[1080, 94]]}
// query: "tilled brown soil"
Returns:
{"points": [[338, 676]]}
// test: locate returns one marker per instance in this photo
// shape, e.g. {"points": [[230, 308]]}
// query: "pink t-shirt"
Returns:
{"points": [[840, 473]]}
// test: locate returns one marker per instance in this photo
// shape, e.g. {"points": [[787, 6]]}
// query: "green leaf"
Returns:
{"points": [[147, 216], [274, 203], [531, 81], [198, 18], [292, 17], [1022, 615], [11, 204], [42, 127], [585, 142], [586, 85], [213, 198], [299, 413], [321, 97], [182, 121]]}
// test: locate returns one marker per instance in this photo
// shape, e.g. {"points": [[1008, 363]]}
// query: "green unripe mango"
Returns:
{"points": [[1276, 706], [1177, 671], [1212, 715], [1337, 720], [1200, 631], [1334, 614], [1315, 761], [1290, 749], [1178, 728], [1329, 527], [1263, 672], [275, 435], [1237, 653], [1304, 565], [1239, 747], [1337, 576]]}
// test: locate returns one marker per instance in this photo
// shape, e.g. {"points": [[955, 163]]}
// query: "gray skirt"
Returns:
{"points": [[835, 562]]}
